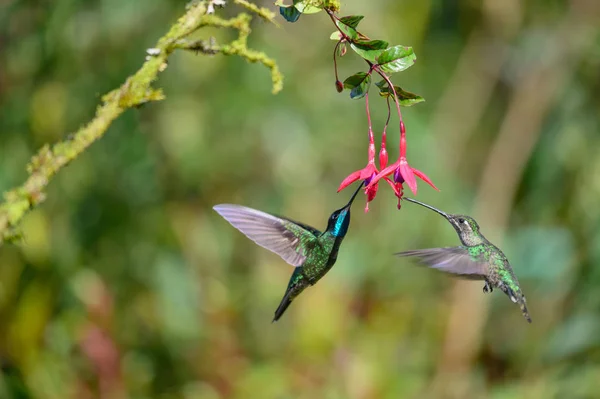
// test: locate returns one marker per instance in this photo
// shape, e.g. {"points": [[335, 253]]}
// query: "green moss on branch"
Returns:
{"points": [[136, 91]]}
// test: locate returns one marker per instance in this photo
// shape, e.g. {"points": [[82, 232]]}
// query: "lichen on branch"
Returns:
{"points": [[136, 91]]}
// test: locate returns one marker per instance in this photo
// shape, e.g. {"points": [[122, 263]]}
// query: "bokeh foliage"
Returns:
{"points": [[136, 91], [127, 284]]}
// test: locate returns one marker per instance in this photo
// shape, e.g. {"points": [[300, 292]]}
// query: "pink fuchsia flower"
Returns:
{"points": [[367, 174], [403, 172], [370, 171]]}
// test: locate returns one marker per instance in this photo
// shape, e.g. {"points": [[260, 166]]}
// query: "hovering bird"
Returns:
{"points": [[476, 259], [312, 252]]}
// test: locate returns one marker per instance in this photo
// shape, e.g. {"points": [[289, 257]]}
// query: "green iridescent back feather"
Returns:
{"points": [[317, 249], [308, 240], [318, 259], [499, 267]]}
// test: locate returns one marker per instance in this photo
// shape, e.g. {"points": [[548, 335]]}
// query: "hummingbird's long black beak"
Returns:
{"points": [[444, 214], [354, 195]]}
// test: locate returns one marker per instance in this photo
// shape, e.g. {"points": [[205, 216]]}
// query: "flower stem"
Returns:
{"points": [[375, 67], [383, 156], [335, 60], [371, 136], [402, 127]]}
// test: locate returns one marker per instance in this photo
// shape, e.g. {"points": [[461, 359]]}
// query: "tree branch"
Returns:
{"points": [[136, 91]]}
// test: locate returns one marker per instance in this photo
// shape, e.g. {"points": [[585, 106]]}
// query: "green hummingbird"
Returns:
{"points": [[476, 259], [310, 251]]}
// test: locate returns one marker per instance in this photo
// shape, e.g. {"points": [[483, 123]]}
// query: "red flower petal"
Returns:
{"points": [[424, 177], [368, 171], [371, 193], [383, 158], [387, 171], [398, 190], [396, 187], [371, 147], [354, 176], [408, 175]]}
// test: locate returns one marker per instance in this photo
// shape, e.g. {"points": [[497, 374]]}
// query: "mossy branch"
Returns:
{"points": [[136, 91]]}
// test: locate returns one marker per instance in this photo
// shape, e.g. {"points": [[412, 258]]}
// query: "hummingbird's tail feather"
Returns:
{"points": [[285, 302], [296, 285], [518, 298], [524, 310]]}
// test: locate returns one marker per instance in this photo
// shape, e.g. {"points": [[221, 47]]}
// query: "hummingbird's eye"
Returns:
{"points": [[461, 220]]}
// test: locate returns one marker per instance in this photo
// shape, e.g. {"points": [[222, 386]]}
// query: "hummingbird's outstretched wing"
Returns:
{"points": [[455, 260], [286, 238]]}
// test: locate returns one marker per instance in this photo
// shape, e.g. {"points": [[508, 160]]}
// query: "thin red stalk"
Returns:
{"points": [[335, 60], [402, 127], [331, 14], [333, 18], [402, 145], [383, 157], [387, 121], [371, 136]]}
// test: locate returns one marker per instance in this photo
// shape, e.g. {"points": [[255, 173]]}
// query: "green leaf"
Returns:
{"points": [[369, 49], [337, 36], [305, 7], [396, 59], [358, 85], [290, 13], [347, 30], [351, 20], [405, 98]]}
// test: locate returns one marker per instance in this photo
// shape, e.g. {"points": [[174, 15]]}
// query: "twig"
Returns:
{"points": [[136, 91]]}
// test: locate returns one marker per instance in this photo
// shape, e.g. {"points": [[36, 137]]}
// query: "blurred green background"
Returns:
{"points": [[128, 285]]}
